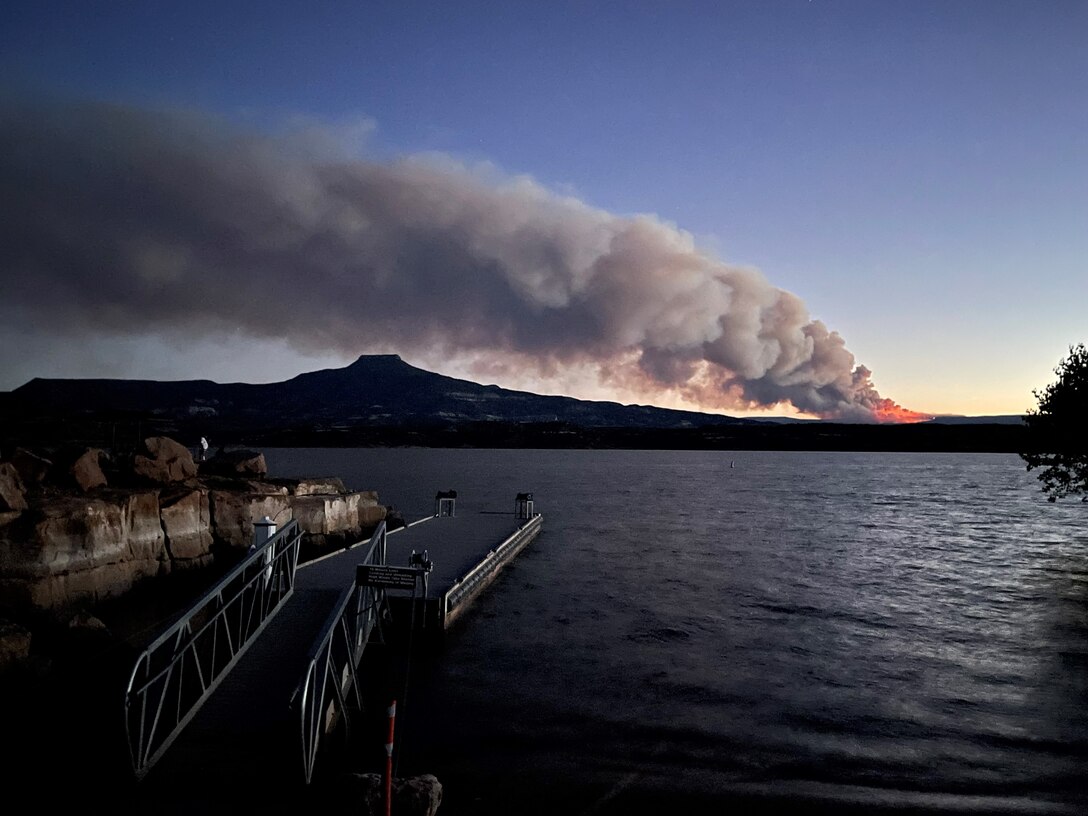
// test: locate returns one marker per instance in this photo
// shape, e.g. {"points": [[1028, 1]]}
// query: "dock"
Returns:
{"points": [[462, 569], [276, 650]]}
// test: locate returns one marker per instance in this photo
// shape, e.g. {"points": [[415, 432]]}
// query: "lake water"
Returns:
{"points": [[832, 631]]}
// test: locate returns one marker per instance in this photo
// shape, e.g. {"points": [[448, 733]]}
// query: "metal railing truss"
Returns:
{"points": [[331, 680], [179, 670], [465, 587]]}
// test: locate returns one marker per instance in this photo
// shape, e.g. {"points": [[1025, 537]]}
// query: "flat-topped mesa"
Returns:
{"points": [[74, 533]]}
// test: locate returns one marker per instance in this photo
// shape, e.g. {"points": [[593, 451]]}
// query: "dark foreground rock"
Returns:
{"points": [[235, 463], [12, 492], [14, 646], [414, 796], [32, 468]]}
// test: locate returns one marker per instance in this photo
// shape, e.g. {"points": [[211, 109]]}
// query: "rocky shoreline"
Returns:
{"points": [[82, 527]]}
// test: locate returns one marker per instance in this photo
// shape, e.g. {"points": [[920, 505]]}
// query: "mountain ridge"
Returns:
{"points": [[374, 389]]}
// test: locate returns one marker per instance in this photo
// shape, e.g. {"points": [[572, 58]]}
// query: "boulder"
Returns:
{"points": [[316, 487], [87, 622], [165, 461], [394, 520], [414, 796], [234, 511], [329, 514], [370, 516], [86, 470], [87, 635], [370, 512], [14, 645], [32, 468], [75, 551], [419, 795], [186, 522], [236, 463], [12, 492], [335, 520]]}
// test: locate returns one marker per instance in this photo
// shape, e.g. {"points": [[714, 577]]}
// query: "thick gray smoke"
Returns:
{"points": [[117, 220]]}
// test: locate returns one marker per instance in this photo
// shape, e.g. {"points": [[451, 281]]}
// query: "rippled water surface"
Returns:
{"points": [[798, 630]]}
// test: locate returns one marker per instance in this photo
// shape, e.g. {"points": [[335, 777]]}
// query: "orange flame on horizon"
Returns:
{"points": [[890, 412]]}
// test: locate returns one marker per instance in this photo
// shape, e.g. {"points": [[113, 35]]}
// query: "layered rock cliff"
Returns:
{"points": [[82, 527]]}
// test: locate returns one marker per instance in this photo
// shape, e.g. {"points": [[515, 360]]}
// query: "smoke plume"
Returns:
{"points": [[125, 221]]}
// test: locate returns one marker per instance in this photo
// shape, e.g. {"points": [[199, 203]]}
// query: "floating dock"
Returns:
{"points": [[462, 567]]}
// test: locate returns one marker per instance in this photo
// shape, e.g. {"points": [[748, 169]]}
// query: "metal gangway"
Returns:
{"points": [[251, 681], [256, 662], [332, 670]]}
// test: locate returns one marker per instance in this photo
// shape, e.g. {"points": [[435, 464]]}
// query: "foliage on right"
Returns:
{"points": [[1059, 425]]}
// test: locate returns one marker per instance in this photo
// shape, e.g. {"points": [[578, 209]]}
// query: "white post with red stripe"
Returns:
{"points": [[389, 760]]}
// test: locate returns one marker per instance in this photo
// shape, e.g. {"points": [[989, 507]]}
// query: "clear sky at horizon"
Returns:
{"points": [[916, 172]]}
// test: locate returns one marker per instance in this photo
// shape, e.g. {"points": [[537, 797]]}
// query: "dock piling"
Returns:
{"points": [[445, 503]]}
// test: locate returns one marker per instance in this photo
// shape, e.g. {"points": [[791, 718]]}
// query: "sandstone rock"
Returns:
{"points": [[233, 513], [166, 461], [312, 487], [32, 468], [234, 484], [236, 463], [322, 515], [369, 516], [262, 488], [415, 796], [86, 470], [335, 520], [82, 550], [14, 645], [370, 512], [12, 492], [186, 521]]}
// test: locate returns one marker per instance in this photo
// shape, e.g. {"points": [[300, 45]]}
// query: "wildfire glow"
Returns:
{"points": [[888, 411]]}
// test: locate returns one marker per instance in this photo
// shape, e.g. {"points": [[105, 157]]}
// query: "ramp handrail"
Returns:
{"points": [[331, 670], [177, 672], [467, 582]]}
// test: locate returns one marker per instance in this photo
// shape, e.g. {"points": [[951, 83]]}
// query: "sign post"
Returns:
{"points": [[386, 577], [389, 760]]}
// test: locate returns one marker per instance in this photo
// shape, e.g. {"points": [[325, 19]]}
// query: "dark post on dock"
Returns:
{"points": [[523, 506], [445, 503]]}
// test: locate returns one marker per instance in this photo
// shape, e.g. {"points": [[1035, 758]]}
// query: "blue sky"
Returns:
{"points": [[915, 171]]}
